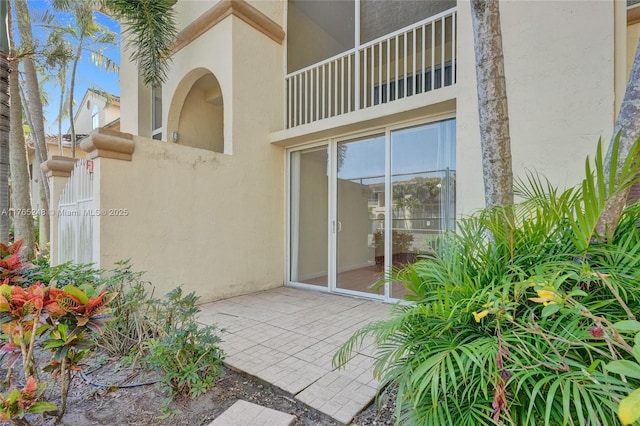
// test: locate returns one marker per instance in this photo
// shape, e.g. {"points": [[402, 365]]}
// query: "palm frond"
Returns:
{"points": [[151, 30]]}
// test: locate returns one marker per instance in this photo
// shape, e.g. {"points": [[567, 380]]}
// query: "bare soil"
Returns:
{"points": [[111, 403]]}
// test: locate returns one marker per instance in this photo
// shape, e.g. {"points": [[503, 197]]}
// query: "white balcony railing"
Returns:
{"points": [[416, 59]]}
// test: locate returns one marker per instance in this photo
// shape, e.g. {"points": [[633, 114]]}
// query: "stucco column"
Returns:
{"points": [[58, 170], [107, 149]]}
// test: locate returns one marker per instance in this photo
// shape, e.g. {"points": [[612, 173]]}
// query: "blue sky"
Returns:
{"points": [[87, 75]]}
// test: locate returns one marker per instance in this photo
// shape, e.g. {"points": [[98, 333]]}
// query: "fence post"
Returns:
{"points": [[106, 148], [58, 170]]}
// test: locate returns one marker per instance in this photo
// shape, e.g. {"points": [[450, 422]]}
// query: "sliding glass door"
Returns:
{"points": [[309, 216], [422, 191], [360, 214], [361, 206]]}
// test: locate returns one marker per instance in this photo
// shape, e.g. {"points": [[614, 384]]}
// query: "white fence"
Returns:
{"points": [[413, 60], [76, 216]]}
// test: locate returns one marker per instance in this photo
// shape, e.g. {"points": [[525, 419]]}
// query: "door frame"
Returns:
{"points": [[332, 143]]}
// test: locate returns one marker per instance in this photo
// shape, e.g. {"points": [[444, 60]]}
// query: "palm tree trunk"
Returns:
{"points": [[4, 123], [35, 114], [492, 103], [628, 125], [19, 166], [72, 128], [44, 221], [61, 107], [20, 188]]}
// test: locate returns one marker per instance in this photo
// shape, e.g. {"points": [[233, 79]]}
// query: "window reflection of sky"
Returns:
{"points": [[427, 149], [364, 160]]}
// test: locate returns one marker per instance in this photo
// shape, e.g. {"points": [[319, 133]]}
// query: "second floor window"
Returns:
{"points": [[156, 113], [95, 119]]}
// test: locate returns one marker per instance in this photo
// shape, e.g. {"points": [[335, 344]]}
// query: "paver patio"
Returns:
{"points": [[287, 337]]}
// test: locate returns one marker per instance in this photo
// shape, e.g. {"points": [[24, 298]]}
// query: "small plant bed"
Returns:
{"points": [[142, 405], [84, 347]]}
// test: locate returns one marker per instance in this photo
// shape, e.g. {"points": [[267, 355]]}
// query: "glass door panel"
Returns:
{"points": [[359, 228], [422, 191], [309, 218]]}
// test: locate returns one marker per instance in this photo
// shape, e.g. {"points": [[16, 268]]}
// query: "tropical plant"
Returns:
{"points": [[13, 268], [513, 319], [150, 29], [628, 128], [32, 101], [135, 313], [89, 37], [67, 317], [187, 354], [16, 403], [23, 222]]}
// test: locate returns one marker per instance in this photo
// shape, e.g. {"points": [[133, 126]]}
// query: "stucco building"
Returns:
{"points": [[292, 138]]}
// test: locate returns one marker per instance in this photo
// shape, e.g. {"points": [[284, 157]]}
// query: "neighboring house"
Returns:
{"points": [[97, 109], [293, 136]]}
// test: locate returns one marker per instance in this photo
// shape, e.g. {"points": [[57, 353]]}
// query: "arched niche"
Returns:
{"points": [[196, 114]]}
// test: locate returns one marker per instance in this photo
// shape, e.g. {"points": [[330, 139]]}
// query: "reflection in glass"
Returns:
{"points": [[309, 216], [360, 186], [423, 191]]}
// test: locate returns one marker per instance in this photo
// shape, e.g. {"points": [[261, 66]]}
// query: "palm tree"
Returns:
{"points": [[151, 30], [628, 128], [20, 188], [34, 111], [58, 59], [492, 103], [92, 37], [149, 26], [4, 122]]}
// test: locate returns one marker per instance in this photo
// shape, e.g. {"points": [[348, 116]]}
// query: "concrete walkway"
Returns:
{"points": [[287, 337], [244, 413]]}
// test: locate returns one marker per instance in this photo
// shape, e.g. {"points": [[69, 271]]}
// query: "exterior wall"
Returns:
{"points": [[135, 97], [205, 220], [215, 222], [210, 221], [107, 112], [560, 88]]}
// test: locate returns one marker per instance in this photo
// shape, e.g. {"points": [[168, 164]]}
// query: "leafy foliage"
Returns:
{"points": [[134, 313], [66, 317], [12, 266], [150, 27], [188, 354], [515, 314], [16, 403]]}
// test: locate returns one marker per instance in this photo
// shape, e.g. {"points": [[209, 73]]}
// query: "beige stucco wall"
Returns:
{"points": [[188, 220], [210, 221], [560, 84]]}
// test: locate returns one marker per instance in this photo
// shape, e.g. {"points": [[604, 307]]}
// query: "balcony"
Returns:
{"points": [[414, 60]]}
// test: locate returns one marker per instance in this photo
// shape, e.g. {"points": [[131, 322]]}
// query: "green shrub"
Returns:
{"points": [[134, 313], [63, 274], [188, 354], [513, 317]]}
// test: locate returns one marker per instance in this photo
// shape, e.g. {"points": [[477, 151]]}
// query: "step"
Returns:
{"points": [[244, 413]]}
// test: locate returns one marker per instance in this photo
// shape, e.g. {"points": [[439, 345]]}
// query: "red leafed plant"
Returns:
{"points": [[12, 266], [20, 315], [16, 403], [67, 317]]}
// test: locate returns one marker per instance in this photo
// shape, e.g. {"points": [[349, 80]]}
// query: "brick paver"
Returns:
{"points": [[287, 337]]}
